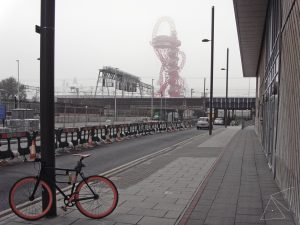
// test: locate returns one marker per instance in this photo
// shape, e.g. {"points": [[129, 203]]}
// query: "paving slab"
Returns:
{"points": [[238, 191]]}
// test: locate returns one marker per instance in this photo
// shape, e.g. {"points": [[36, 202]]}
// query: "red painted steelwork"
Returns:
{"points": [[172, 60]]}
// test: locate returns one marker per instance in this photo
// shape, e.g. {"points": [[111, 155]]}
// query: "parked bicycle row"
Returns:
{"points": [[27, 144]]}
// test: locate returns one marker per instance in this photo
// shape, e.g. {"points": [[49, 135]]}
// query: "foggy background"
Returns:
{"points": [[91, 34]]}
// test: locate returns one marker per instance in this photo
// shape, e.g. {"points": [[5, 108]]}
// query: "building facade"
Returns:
{"points": [[269, 37]]}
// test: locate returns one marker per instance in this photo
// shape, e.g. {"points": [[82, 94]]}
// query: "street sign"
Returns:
{"points": [[2, 112]]}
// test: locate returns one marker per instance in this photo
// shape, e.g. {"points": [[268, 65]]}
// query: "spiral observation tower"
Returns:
{"points": [[172, 59]]}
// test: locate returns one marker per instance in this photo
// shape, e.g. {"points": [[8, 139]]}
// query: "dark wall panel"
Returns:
{"points": [[288, 136]]}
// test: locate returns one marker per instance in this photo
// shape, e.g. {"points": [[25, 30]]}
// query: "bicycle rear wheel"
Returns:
{"points": [[22, 205], [103, 204]]}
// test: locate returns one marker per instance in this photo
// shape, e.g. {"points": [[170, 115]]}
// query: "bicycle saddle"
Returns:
{"points": [[83, 155]]}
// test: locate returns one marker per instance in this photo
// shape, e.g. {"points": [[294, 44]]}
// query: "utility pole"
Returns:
{"points": [[46, 31], [152, 95], [165, 114], [74, 112], [226, 98], [161, 105], [65, 109], [18, 62], [86, 117], [204, 101], [212, 67], [115, 117]]}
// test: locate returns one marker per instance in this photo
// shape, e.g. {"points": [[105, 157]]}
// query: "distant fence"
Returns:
{"points": [[19, 143]]}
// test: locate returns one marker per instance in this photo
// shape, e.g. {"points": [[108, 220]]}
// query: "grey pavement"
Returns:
{"points": [[218, 180], [241, 190]]}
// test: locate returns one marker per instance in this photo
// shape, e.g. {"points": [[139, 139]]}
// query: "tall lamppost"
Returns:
{"points": [[226, 98], [18, 62], [166, 113], [152, 95], [161, 94], [86, 118], [211, 67], [115, 117]]}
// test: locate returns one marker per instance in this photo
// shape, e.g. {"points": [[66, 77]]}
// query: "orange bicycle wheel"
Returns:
{"points": [[22, 205], [103, 204]]}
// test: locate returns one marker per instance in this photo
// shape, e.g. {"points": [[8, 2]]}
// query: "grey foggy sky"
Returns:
{"points": [[91, 34]]}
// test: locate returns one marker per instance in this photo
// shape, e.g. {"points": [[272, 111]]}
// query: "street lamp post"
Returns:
{"points": [[65, 109], [74, 116], [160, 106], [115, 117], [211, 67], [100, 117], [152, 95], [18, 62], [226, 98], [204, 100], [86, 118], [166, 113]]}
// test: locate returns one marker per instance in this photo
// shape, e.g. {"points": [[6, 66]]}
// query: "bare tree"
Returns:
{"points": [[9, 89]]}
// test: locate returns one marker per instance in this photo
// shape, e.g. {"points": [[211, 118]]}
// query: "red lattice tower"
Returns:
{"points": [[172, 59]]}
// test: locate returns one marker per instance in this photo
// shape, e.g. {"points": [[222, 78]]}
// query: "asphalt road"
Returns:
{"points": [[104, 158]]}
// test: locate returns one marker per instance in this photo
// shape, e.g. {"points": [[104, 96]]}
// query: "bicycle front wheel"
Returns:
{"points": [[99, 204], [23, 205]]}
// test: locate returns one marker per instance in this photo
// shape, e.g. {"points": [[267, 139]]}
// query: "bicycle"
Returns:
{"points": [[94, 196]]}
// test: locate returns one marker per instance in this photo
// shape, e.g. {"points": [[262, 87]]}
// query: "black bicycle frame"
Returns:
{"points": [[77, 172]]}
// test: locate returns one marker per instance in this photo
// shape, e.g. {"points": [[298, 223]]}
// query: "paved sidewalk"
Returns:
{"points": [[239, 190], [218, 180]]}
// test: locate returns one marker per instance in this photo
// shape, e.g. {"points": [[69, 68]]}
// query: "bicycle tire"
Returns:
{"points": [[19, 198], [107, 192]]}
